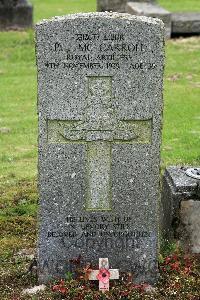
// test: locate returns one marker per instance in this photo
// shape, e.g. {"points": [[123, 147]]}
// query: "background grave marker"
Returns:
{"points": [[15, 14], [116, 5]]}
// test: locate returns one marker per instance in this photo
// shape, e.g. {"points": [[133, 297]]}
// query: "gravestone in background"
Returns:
{"points": [[116, 5], [100, 78], [151, 10], [180, 208], [186, 23], [111, 5], [15, 14]]}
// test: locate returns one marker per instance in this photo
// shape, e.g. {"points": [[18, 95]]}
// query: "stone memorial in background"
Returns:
{"points": [[147, 8], [180, 207], [176, 24], [100, 80], [116, 5], [112, 5], [186, 23], [152, 10], [15, 14]]}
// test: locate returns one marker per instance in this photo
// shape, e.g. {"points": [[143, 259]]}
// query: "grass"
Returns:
{"points": [[18, 127], [18, 121], [61, 7], [181, 5], [181, 133]]}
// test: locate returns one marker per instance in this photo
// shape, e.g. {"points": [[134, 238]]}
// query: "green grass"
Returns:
{"points": [[181, 134], [49, 8], [180, 5], [18, 120]]}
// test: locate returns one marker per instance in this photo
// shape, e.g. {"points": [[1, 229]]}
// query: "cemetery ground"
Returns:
{"points": [[18, 140]]}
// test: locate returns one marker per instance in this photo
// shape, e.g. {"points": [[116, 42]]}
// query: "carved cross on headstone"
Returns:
{"points": [[100, 128], [104, 274]]}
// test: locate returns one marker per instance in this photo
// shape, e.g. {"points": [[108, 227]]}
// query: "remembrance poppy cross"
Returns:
{"points": [[104, 274]]}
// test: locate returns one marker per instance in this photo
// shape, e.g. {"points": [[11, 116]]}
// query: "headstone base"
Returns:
{"points": [[20, 16], [151, 10]]}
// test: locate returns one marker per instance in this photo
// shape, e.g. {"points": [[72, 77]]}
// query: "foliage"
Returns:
{"points": [[179, 279]]}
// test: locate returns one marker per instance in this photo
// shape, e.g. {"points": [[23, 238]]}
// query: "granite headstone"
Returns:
{"points": [[15, 14], [100, 81]]}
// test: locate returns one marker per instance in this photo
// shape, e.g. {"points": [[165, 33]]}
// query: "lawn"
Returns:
{"points": [[18, 123], [180, 5]]}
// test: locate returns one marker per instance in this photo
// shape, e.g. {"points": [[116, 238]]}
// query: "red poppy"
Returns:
{"points": [[103, 275]]}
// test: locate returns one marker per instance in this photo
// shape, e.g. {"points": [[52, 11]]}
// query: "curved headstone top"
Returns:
{"points": [[100, 78]]}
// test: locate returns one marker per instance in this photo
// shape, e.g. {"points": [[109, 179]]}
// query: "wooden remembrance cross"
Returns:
{"points": [[104, 274], [99, 129]]}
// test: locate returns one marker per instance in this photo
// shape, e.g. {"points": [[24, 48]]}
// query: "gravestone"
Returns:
{"points": [[115, 5], [151, 10], [184, 23], [100, 78], [15, 14], [180, 207]]}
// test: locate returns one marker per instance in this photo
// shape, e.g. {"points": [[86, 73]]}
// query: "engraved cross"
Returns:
{"points": [[100, 128]]}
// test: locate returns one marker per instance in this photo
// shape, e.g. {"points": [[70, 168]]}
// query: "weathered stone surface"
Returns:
{"points": [[185, 23], [176, 187], [189, 228], [100, 113], [115, 5], [15, 14], [151, 10]]}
